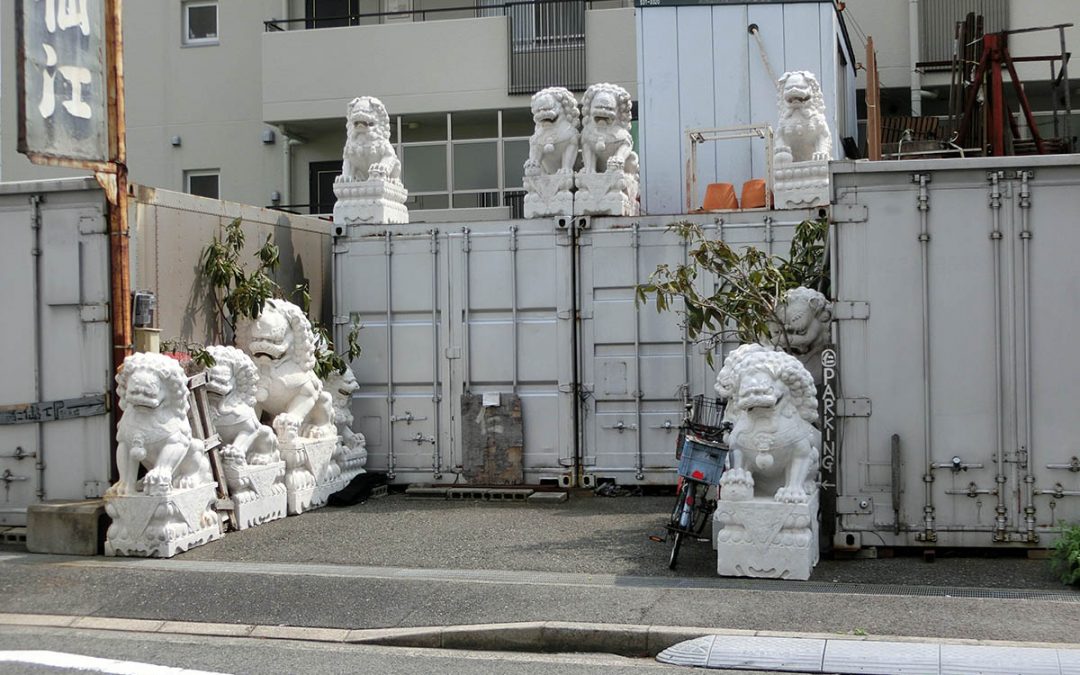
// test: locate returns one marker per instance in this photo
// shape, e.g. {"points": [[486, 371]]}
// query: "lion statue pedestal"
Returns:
{"points": [[171, 508], [553, 150], [766, 521], [282, 345], [608, 182], [369, 190], [803, 144], [251, 462]]}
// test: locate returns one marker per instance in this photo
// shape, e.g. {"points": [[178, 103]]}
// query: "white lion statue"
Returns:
{"points": [[368, 154], [553, 147], [802, 133], [282, 345], [154, 430], [230, 385], [341, 388], [772, 404], [805, 316], [606, 143]]}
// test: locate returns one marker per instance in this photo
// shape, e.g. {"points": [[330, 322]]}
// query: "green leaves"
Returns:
{"points": [[728, 293], [1065, 560], [242, 293]]}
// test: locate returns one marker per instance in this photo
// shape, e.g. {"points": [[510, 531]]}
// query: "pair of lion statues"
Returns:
{"points": [[600, 129]]}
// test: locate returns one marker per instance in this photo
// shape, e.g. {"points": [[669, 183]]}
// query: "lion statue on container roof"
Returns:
{"points": [[802, 134], [282, 345], [154, 430], [553, 147], [606, 143], [772, 403], [368, 154]]}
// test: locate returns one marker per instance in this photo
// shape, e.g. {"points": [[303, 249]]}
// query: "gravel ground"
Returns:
{"points": [[587, 534]]}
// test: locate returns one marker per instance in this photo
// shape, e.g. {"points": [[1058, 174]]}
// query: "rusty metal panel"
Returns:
{"points": [[62, 79]]}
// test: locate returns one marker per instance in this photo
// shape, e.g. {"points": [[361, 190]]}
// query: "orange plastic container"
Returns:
{"points": [[720, 196], [753, 194]]}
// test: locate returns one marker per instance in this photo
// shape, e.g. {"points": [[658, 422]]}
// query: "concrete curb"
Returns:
{"points": [[535, 636]]}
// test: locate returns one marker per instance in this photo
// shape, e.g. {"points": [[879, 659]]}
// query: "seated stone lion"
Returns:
{"points": [[802, 134], [772, 404], [606, 143], [368, 154], [553, 147], [154, 430], [805, 316], [341, 387], [282, 345], [230, 385]]}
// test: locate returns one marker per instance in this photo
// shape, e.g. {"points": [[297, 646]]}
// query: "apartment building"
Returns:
{"points": [[245, 99]]}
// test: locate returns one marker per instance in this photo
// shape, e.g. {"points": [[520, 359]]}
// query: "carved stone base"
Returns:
{"points": [[307, 466], [160, 526], [258, 492], [549, 196], [767, 539], [800, 185], [370, 202], [614, 193]]}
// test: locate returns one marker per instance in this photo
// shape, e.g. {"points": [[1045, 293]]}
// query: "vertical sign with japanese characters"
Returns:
{"points": [[62, 73]]}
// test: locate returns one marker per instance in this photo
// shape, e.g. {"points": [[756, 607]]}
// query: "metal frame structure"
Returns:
{"points": [[694, 137]]}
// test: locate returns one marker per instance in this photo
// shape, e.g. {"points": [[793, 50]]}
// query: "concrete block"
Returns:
{"points": [[380, 491], [509, 494], [13, 535], [548, 497], [70, 527], [467, 494]]}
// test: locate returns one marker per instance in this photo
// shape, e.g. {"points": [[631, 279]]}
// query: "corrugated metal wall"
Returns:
{"points": [[698, 67], [61, 348], [986, 453], [938, 18]]}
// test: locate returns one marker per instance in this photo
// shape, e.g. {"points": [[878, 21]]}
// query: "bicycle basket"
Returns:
{"points": [[707, 417]]}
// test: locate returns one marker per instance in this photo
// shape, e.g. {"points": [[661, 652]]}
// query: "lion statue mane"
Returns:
{"points": [[154, 430], [606, 143], [802, 133], [282, 345], [772, 404], [553, 147], [230, 385], [368, 154]]}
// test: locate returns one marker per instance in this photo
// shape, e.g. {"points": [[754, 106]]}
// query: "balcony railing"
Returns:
{"points": [[546, 38]]}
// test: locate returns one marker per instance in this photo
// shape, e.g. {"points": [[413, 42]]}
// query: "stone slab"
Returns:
{"points": [[65, 527], [493, 440], [548, 498]]}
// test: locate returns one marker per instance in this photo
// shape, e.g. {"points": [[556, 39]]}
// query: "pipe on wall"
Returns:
{"points": [[913, 44]]}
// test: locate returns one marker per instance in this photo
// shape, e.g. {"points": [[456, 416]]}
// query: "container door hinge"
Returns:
{"points": [[853, 407], [849, 310]]}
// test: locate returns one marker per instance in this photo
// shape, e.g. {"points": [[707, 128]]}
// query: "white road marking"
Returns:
{"points": [[93, 663]]}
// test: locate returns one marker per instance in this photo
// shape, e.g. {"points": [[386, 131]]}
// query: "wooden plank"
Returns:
{"points": [[873, 103]]}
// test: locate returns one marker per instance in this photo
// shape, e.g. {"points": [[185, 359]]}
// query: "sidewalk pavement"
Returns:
{"points": [[444, 568]]}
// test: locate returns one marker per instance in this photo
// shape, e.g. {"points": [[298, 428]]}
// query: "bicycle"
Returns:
{"points": [[702, 453]]}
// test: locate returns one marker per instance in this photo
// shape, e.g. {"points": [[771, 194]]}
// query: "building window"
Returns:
{"points": [[203, 183], [200, 23]]}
